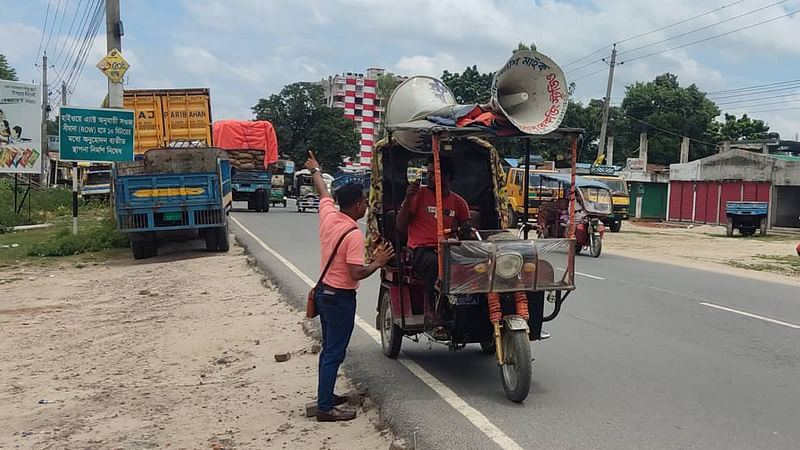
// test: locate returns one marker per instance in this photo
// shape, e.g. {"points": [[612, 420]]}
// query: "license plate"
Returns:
{"points": [[173, 217]]}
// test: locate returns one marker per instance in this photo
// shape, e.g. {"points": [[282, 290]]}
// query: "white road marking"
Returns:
{"points": [[473, 415], [594, 277], [754, 316]]}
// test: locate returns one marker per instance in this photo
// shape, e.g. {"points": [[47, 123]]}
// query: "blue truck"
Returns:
{"points": [[747, 217], [252, 186], [173, 193]]}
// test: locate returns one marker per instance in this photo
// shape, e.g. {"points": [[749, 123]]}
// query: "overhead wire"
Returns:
{"points": [[95, 27], [44, 30], [68, 43], [713, 37], [704, 27], [752, 93], [663, 130], [53, 26], [81, 48], [71, 55], [747, 88]]}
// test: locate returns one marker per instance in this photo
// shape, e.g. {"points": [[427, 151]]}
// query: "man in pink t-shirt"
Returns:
{"points": [[336, 296]]}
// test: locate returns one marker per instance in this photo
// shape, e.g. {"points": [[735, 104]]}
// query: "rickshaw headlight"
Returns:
{"points": [[508, 265], [480, 268]]}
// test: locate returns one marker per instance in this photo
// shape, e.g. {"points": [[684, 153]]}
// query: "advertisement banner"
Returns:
{"points": [[20, 127], [95, 134]]}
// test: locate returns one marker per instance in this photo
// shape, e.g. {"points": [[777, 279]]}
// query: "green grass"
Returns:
{"points": [[784, 264], [45, 204], [97, 235]]}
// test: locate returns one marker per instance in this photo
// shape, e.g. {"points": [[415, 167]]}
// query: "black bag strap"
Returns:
{"points": [[335, 249]]}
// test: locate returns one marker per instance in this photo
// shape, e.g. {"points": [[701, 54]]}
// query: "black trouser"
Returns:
{"points": [[426, 266]]}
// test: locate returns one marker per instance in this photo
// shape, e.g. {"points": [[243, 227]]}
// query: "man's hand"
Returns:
{"points": [[311, 162], [412, 190], [383, 254]]}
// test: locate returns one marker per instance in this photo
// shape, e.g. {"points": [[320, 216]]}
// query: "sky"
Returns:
{"points": [[244, 50]]}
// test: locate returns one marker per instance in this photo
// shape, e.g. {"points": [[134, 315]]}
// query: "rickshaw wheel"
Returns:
{"points": [[595, 246], [391, 334], [517, 369]]}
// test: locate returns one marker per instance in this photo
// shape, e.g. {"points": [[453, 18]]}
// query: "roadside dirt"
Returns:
{"points": [[772, 258], [175, 351]]}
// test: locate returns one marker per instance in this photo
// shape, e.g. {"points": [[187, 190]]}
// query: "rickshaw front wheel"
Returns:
{"points": [[517, 368], [391, 334], [595, 245]]}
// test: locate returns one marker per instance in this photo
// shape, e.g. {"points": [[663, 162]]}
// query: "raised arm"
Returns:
{"points": [[404, 215], [316, 175]]}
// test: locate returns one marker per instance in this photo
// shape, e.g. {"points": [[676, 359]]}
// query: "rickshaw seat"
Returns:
{"points": [[475, 217]]}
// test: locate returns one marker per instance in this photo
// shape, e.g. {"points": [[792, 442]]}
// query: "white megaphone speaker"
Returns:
{"points": [[529, 90]]}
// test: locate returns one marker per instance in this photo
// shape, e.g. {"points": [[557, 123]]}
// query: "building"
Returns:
{"points": [[357, 94], [699, 189]]}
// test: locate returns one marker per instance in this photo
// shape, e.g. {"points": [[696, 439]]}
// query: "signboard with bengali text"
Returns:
{"points": [[94, 134], [20, 127]]}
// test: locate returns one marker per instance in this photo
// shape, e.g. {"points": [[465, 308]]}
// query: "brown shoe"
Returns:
{"points": [[335, 415], [339, 399]]}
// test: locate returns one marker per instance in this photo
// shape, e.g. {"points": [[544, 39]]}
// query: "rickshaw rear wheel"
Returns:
{"points": [[517, 369], [391, 334], [616, 226], [595, 245]]}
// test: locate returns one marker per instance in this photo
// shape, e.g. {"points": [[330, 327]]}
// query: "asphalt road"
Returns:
{"points": [[643, 355]]}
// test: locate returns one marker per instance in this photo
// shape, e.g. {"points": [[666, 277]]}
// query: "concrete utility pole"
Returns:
{"points": [[602, 144], [114, 41], [45, 104]]}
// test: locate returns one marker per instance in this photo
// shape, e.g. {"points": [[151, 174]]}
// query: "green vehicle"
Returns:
{"points": [[277, 192]]}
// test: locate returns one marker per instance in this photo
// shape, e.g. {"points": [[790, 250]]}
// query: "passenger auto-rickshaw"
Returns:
{"points": [[538, 192], [491, 290], [619, 196], [594, 204]]}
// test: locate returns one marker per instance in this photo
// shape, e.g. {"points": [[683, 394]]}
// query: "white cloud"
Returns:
{"points": [[427, 65]]}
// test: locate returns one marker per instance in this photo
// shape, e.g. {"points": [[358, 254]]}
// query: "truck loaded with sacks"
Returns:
{"points": [[252, 148]]}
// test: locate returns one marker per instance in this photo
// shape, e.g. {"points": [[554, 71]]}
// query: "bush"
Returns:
{"points": [[45, 204], [91, 239]]}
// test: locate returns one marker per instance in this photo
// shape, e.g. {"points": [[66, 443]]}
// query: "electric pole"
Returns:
{"points": [[114, 33], [45, 103], [601, 148]]}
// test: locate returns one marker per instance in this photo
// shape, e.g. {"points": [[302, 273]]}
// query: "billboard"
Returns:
{"points": [[94, 134], [20, 127]]}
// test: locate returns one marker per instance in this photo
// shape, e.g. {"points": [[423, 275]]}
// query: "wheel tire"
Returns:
{"points": [[223, 238], [729, 227], [139, 250], [151, 248], [265, 201], [595, 245], [488, 348], [391, 334], [578, 248], [517, 369], [210, 236], [284, 203], [512, 218], [251, 203], [762, 229], [616, 226]]}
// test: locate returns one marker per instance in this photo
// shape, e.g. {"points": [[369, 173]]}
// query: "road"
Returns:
{"points": [[643, 355]]}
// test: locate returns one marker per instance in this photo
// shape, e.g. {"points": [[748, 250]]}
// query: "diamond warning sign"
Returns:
{"points": [[113, 65]]}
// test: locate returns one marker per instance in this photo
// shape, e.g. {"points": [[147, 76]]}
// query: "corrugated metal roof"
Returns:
{"points": [[786, 157]]}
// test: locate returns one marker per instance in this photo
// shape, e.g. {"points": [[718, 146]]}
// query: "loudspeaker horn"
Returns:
{"points": [[415, 99], [530, 90]]}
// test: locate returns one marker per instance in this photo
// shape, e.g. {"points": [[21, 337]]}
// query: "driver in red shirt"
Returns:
{"points": [[417, 218]]}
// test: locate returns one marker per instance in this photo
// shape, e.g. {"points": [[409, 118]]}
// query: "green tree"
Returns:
{"points": [[6, 71], [523, 47], [469, 86], [734, 129], [662, 104], [303, 121]]}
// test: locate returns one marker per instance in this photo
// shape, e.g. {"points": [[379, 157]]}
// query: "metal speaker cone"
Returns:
{"points": [[530, 90], [415, 99]]}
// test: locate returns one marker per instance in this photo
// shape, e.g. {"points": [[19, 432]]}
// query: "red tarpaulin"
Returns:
{"points": [[247, 135]]}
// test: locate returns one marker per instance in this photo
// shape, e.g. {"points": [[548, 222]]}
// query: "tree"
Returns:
{"points": [[470, 86], [667, 112], [6, 71], [304, 122], [734, 129], [523, 47]]}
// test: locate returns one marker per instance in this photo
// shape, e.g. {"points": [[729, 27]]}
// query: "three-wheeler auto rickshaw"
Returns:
{"points": [[492, 289], [595, 204]]}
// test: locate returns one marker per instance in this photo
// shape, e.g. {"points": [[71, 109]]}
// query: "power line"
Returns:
{"points": [[68, 43], [714, 37], [758, 92], [71, 55], [765, 110], [78, 55], [53, 26], [97, 20], [589, 74], [668, 131], [705, 27], [753, 87], [584, 57], [756, 99], [44, 30], [756, 105]]}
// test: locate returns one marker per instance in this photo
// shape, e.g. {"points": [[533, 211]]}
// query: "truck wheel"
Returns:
{"points": [[265, 202], [729, 227], [517, 369], [284, 203], [616, 226], [512, 218], [223, 238], [251, 203], [762, 229], [151, 248], [210, 235], [139, 250]]}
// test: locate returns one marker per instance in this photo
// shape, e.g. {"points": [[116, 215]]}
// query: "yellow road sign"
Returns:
{"points": [[113, 65]]}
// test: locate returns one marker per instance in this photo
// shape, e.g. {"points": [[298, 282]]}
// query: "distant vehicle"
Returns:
{"points": [[166, 116], [747, 217], [96, 183], [620, 197], [539, 190], [307, 197], [171, 193]]}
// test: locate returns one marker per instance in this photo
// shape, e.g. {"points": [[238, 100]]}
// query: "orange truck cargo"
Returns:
{"points": [[167, 116]]}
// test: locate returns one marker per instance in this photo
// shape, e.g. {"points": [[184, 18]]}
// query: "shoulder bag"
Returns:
{"points": [[311, 306]]}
